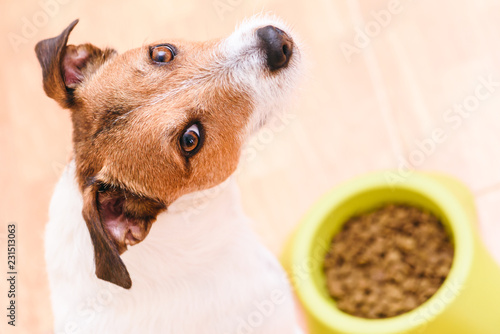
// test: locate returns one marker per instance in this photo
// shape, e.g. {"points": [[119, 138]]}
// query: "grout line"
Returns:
{"points": [[378, 84], [486, 190], [418, 105], [335, 21], [311, 157]]}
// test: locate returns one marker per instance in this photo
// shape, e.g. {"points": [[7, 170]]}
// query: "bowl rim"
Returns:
{"points": [[334, 319]]}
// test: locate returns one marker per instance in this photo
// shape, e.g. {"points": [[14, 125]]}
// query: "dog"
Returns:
{"points": [[155, 130]]}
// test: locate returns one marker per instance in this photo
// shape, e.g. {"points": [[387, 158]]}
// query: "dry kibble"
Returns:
{"points": [[335, 287], [442, 270], [409, 285], [410, 303], [393, 256], [358, 296], [388, 262]]}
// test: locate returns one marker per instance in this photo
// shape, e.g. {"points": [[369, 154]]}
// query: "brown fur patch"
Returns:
{"points": [[129, 114]]}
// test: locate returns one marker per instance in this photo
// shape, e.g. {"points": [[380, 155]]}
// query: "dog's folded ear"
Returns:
{"points": [[64, 66], [116, 219]]}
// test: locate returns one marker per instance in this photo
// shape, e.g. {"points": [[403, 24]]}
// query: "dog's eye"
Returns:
{"points": [[190, 140], [162, 53]]}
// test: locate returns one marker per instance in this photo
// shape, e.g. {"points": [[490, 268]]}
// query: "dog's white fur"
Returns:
{"points": [[198, 272]]}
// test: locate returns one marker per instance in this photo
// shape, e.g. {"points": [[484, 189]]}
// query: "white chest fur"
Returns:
{"points": [[198, 272]]}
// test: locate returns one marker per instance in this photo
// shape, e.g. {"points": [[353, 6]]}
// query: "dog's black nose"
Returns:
{"points": [[277, 45]]}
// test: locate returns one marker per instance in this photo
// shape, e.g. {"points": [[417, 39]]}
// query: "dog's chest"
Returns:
{"points": [[219, 299], [198, 272], [225, 296]]}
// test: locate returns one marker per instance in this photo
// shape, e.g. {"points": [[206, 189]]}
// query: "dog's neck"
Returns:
{"points": [[194, 231], [194, 203], [210, 213], [190, 238]]}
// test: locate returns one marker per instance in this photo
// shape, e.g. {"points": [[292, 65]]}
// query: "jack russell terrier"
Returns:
{"points": [[154, 129]]}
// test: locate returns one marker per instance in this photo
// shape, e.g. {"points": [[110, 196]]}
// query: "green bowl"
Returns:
{"points": [[466, 303]]}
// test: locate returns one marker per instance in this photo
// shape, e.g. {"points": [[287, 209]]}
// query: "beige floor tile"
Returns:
{"points": [[351, 117]]}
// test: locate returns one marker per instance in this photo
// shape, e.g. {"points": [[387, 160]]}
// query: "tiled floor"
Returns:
{"points": [[371, 110]]}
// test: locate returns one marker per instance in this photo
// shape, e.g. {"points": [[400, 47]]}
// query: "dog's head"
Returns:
{"points": [[161, 121]]}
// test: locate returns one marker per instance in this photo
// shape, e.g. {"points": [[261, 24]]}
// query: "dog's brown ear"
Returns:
{"points": [[116, 219], [109, 265], [65, 66]]}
